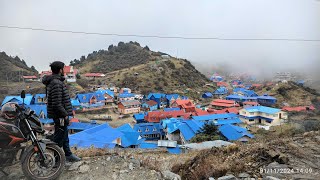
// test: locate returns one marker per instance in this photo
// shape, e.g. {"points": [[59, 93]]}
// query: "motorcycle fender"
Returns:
{"points": [[47, 142]]}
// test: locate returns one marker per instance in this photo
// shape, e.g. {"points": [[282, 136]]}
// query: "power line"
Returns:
{"points": [[160, 37]]}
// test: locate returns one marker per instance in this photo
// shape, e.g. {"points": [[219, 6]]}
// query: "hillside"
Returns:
{"points": [[12, 67], [124, 55], [292, 94], [145, 71]]}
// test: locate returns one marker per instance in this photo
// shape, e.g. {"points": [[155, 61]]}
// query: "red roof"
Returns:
{"points": [[224, 103], [222, 84], [185, 103], [74, 120], [250, 103], [298, 109], [223, 111], [200, 112], [232, 110], [156, 116], [94, 75], [67, 69], [151, 103], [29, 77]]}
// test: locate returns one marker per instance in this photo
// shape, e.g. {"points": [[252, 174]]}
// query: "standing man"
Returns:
{"points": [[59, 107]]}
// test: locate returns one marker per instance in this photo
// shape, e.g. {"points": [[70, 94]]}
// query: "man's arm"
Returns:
{"points": [[57, 100]]}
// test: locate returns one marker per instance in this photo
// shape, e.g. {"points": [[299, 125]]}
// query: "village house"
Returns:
{"points": [[266, 100], [126, 97], [150, 106], [171, 98], [91, 101], [207, 95], [185, 105], [222, 84], [221, 104], [220, 91], [108, 95], [240, 98], [125, 91], [139, 117], [235, 133], [244, 92], [39, 99], [219, 119], [39, 110], [30, 78], [298, 108], [159, 98], [70, 73], [250, 104], [150, 131], [157, 116], [18, 99], [129, 107], [262, 115]]}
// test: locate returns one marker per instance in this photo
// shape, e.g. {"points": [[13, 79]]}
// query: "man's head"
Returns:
{"points": [[57, 67]]}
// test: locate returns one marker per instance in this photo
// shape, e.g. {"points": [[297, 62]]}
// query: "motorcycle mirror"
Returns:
{"points": [[23, 94]]}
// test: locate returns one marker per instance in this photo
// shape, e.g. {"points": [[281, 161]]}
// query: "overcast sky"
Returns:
{"points": [[206, 18]]}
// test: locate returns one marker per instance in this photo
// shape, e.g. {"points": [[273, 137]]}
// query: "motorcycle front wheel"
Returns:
{"points": [[35, 169]]}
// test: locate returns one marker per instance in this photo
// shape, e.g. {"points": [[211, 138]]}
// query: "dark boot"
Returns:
{"points": [[73, 158]]}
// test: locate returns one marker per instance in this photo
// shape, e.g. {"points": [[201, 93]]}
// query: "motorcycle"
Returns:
{"points": [[41, 159]]}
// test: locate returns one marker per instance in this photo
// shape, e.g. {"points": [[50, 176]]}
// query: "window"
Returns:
{"points": [[251, 113], [40, 99], [154, 129], [139, 130], [147, 130], [251, 120], [84, 97], [244, 112]]}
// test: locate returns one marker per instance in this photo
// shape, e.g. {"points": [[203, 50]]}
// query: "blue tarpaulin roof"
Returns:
{"points": [[130, 137], [172, 96], [233, 133], [186, 131], [228, 121]]}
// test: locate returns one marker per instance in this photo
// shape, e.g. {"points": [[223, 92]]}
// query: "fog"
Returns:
{"points": [[275, 19]]}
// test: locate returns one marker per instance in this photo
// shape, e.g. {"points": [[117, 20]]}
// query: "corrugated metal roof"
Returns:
{"points": [[139, 116], [126, 95], [234, 133], [214, 116], [81, 126], [148, 145], [99, 136], [75, 102], [263, 109], [18, 99], [38, 109], [130, 103], [186, 131], [175, 150]]}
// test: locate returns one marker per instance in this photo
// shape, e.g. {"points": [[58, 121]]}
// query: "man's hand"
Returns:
{"points": [[66, 119]]}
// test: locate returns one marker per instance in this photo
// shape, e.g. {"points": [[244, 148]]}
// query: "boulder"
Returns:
{"points": [[167, 175], [244, 175], [84, 168], [228, 177]]}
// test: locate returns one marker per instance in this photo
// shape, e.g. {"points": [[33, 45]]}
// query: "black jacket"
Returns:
{"points": [[59, 103]]}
